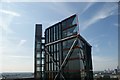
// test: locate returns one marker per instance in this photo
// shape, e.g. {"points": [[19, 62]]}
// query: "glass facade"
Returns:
{"points": [[58, 41], [75, 66], [39, 53]]}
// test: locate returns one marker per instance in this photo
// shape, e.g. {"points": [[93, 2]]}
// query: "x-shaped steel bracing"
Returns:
{"points": [[64, 61], [51, 57]]}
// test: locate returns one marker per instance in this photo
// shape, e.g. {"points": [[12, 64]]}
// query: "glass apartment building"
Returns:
{"points": [[66, 55]]}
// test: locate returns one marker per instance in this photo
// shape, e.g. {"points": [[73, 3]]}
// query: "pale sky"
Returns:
{"points": [[98, 23]]}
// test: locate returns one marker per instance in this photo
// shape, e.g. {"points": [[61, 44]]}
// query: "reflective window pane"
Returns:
{"points": [[38, 54], [38, 62], [38, 68]]}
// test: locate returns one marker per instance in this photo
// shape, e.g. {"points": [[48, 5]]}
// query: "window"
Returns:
{"points": [[42, 68], [54, 33], [74, 65], [72, 21], [49, 66], [55, 67], [38, 54], [49, 35], [81, 65], [38, 75], [46, 36], [75, 53], [57, 47], [64, 44], [83, 74], [38, 46], [69, 22], [38, 68], [60, 31], [38, 42], [69, 27], [52, 66], [42, 47], [65, 53], [78, 43], [57, 64], [64, 33], [43, 74], [42, 61], [42, 55], [64, 25], [43, 40], [38, 61], [70, 31], [68, 43], [81, 52], [57, 32], [57, 55], [51, 48]]}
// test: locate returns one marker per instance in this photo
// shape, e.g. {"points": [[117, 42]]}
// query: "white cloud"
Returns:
{"points": [[9, 12], [103, 13], [6, 18], [22, 42], [87, 7], [4, 24]]}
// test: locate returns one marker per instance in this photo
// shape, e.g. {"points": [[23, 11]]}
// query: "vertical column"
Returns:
{"points": [[42, 59], [38, 50]]}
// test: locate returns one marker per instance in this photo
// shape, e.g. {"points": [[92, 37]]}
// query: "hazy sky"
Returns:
{"points": [[98, 23]]}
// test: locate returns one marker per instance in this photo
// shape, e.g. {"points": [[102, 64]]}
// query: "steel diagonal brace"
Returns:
{"points": [[67, 56], [54, 62]]}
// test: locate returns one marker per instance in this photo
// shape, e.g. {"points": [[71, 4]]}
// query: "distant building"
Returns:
{"points": [[118, 69], [65, 53]]}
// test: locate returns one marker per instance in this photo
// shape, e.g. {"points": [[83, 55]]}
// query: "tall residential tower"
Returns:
{"points": [[65, 55]]}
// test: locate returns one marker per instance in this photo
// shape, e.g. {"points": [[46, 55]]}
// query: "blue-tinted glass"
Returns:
{"points": [[51, 34], [46, 36], [69, 22], [75, 53], [54, 33], [70, 27]]}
